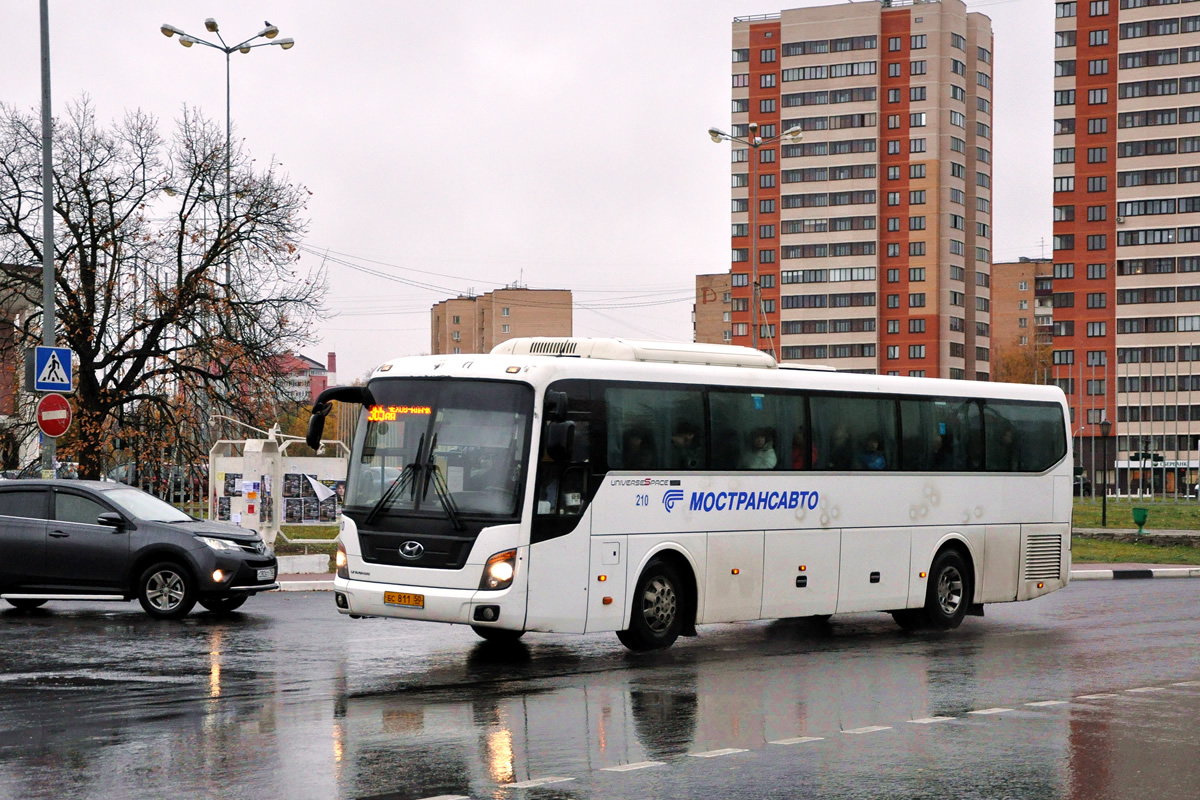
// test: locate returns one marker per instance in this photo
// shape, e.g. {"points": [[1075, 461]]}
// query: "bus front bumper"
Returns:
{"points": [[502, 609]]}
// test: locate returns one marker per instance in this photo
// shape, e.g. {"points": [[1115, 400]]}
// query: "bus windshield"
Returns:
{"points": [[440, 448]]}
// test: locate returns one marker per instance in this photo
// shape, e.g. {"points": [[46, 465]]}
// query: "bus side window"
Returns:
{"points": [[744, 430], [854, 432]]}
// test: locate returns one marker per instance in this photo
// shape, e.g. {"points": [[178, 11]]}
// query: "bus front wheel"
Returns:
{"points": [[657, 614]]}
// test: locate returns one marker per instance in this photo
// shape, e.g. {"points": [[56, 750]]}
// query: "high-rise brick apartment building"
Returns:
{"points": [[873, 234], [1127, 229]]}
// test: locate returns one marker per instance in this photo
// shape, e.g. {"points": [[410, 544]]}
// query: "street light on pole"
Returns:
{"points": [[1105, 430], [187, 40], [754, 141]]}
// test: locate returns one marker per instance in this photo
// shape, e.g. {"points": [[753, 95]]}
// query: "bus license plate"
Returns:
{"points": [[404, 599]]}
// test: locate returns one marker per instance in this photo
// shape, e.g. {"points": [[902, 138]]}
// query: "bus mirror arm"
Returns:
{"points": [[323, 405]]}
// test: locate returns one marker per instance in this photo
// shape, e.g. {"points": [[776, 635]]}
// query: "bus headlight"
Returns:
{"points": [[339, 561], [499, 570]]}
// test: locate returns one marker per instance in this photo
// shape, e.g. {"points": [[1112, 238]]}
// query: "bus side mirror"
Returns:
{"points": [[560, 440], [316, 424], [556, 406], [323, 405]]}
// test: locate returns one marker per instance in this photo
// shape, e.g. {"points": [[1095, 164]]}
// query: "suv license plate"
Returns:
{"points": [[267, 574], [404, 599]]}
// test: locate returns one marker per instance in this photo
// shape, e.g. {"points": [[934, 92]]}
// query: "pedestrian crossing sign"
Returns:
{"points": [[52, 369]]}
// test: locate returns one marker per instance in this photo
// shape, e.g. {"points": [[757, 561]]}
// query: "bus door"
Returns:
{"points": [[559, 538]]}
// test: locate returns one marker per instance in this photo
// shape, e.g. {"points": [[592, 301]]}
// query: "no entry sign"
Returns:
{"points": [[54, 415]]}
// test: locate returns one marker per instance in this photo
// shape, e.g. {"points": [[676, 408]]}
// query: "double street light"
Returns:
{"points": [[1105, 430], [754, 142], [187, 40]]}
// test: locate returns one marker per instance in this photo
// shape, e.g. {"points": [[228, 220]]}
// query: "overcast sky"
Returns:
{"points": [[464, 145]]}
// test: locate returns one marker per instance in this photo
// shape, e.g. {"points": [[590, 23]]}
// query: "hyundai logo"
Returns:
{"points": [[412, 550]]}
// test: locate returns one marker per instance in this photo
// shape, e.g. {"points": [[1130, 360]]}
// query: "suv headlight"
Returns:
{"points": [[220, 545], [499, 570]]}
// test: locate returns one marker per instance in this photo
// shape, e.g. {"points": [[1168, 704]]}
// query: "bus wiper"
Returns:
{"points": [[406, 479], [432, 474]]}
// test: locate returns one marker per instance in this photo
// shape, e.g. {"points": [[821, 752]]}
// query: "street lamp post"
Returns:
{"points": [[1105, 429], [187, 40], [754, 141]]}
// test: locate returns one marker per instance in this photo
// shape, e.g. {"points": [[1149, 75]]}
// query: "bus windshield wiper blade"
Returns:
{"points": [[434, 475], [406, 478]]}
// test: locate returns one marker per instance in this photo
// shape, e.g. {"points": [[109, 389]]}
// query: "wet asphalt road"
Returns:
{"points": [[290, 700]]}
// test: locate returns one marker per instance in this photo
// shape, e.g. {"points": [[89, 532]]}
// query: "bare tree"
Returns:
{"points": [[175, 310]]}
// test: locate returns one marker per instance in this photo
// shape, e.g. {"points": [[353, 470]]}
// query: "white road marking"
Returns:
{"points": [[1094, 696], [448, 797], [1187, 683], [536, 782], [727, 751], [1146, 689], [985, 711], [869, 729], [631, 767], [930, 720], [799, 740], [1044, 703]]}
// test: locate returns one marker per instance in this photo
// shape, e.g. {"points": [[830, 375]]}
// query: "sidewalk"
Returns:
{"points": [[306, 582]]}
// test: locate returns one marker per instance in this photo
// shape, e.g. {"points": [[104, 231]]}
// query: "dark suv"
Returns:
{"points": [[92, 540]]}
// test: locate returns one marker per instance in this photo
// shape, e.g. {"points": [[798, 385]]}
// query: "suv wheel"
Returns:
{"points": [[166, 590]]}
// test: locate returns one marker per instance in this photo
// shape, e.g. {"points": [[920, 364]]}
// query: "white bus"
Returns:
{"points": [[583, 485]]}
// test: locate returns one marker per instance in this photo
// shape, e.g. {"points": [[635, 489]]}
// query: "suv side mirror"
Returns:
{"points": [[112, 519]]}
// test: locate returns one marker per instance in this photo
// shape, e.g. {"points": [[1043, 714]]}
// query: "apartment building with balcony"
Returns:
{"points": [[867, 244], [1127, 230], [1022, 319]]}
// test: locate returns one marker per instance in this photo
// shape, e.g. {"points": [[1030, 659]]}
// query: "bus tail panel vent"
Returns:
{"points": [[1043, 557]]}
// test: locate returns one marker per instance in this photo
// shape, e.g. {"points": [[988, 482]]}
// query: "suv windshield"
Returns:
{"points": [[468, 437], [140, 505]]}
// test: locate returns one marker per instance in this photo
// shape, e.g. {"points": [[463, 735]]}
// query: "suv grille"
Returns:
{"points": [[1043, 557]]}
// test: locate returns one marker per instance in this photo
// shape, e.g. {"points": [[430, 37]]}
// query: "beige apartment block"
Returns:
{"points": [[476, 324], [711, 316], [867, 245]]}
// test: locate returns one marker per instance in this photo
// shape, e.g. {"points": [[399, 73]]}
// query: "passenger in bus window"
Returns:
{"points": [[761, 453], [871, 455], [637, 450], [943, 453], [841, 453], [686, 452], [799, 446]]}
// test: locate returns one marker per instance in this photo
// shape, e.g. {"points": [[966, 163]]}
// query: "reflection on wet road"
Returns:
{"points": [[1088, 693]]}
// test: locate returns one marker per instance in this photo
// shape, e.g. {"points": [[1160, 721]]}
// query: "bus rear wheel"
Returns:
{"points": [[947, 596], [500, 635], [657, 613]]}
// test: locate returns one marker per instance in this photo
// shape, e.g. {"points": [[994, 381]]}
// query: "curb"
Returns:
{"points": [[1134, 574], [306, 586]]}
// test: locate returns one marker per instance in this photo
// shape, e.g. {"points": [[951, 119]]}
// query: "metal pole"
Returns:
{"points": [[228, 187], [48, 449], [1104, 494]]}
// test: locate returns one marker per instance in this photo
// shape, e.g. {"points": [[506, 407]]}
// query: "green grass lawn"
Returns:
{"points": [[1164, 514], [1091, 551]]}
